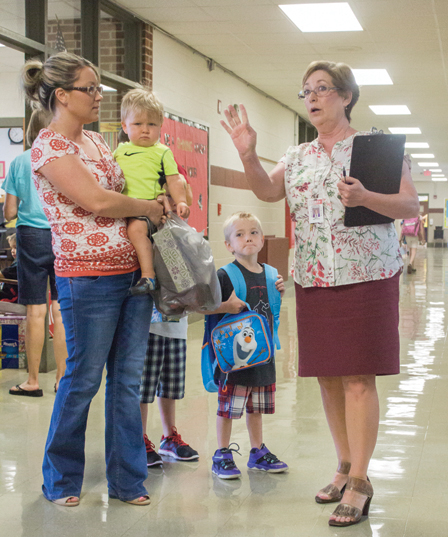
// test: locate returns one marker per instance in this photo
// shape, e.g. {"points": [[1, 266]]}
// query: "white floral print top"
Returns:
{"points": [[329, 254]]}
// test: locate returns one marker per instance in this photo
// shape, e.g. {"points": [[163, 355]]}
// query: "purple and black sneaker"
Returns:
{"points": [[223, 464], [263, 459]]}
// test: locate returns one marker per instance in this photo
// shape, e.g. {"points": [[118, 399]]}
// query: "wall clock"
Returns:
{"points": [[15, 134]]}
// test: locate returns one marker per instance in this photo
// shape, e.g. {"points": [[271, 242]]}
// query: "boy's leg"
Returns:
{"points": [[144, 407], [231, 402], [167, 409], [254, 422], [261, 401], [223, 431], [148, 385], [138, 235], [170, 388]]}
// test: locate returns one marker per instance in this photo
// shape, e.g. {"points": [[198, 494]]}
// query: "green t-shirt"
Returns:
{"points": [[141, 167]]}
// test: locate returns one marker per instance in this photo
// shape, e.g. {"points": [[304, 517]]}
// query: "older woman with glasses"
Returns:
{"points": [[346, 278], [79, 185]]}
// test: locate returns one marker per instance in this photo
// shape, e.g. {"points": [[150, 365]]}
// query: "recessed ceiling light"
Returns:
{"points": [[436, 170], [390, 110], [372, 77], [108, 88], [439, 179], [337, 17], [428, 164], [2, 45], [422, 155], [405, 130], [416, 145]]}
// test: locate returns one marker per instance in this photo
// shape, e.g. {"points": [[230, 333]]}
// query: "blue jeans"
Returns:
{"points": [[104, 325]]}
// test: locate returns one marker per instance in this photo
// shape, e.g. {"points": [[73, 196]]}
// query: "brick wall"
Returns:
{"points": [[111, 55], [147, 49]]}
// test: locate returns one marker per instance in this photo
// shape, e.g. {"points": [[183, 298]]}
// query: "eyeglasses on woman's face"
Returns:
{"points": [[90, 90], [320, 91]]}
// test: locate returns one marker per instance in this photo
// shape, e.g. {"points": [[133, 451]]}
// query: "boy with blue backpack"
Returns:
{"points": [[245, 281]]}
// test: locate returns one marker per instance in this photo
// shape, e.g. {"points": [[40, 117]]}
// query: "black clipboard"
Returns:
{"points": [[377, 161]]}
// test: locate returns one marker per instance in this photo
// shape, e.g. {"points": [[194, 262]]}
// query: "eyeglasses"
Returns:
{"points": [[91, 90], [320, 91]]}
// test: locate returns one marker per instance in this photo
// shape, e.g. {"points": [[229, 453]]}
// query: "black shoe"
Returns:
{"points": [[174, 446], [144, 286], [152, 457]]}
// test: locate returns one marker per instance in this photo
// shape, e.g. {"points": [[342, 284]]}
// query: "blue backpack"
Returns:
{"points": [[259, 328]]}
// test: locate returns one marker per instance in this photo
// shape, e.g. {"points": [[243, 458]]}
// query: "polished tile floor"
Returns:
{"points": [[409, 470]]}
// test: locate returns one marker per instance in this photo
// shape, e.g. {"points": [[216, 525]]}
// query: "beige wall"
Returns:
{"points": [[186, 86]]}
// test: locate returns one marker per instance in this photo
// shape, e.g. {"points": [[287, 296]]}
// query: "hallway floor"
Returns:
{"points": [[409, 469]]}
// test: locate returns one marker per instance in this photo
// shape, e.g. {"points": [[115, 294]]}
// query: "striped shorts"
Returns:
{"points": [[259, 399], [164, 369]]}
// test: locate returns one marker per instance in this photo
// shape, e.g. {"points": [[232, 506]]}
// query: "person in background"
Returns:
{"points": [[164, 376], [79, 185], [35, 263], [346, 279], [9, 292], [412, 241]]}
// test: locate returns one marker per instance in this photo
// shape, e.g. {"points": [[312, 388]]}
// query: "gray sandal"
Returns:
{"points": [[332, 491]]}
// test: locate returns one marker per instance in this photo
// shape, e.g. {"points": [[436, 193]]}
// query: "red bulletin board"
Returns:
{"points": [[188, 141]]}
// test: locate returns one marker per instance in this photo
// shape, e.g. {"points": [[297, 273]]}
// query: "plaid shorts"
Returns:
{"points": [[164, 369], [231, 403]]}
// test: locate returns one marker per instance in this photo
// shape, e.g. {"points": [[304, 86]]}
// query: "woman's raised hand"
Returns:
{"points": [[243, 135]]}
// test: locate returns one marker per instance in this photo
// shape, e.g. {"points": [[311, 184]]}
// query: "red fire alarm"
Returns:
{"points": [[219, 209], [427, 173]]}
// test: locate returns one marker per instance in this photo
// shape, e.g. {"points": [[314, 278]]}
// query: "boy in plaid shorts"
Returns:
{"points": [[164, 375], [253, 388]]}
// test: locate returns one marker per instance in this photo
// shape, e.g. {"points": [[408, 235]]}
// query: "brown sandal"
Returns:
{"points": [[346, 510], [332, 491]]}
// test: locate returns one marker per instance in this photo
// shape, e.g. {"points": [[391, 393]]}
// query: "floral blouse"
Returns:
{"points": [[84, 244], [328, 254]]}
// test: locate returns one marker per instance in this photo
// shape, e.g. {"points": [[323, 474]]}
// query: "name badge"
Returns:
{"points": [[316, 211]]}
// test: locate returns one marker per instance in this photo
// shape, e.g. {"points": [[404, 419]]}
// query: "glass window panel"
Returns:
{"points": [[12, 103], [110, 122], [111, 44], [12, 15], [68, 13]]}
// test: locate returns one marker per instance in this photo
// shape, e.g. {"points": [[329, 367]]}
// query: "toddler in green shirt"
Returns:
{"points": [[147, 165]]}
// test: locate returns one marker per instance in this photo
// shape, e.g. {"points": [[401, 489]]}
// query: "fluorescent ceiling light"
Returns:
{"points": [[416, 145], [390, 110], [372, 77], [337, 17], [436, 170], [1, 45], [439, 179], [405, 130], [437, 174], [108, 88], [428, 164], [422, 155]]}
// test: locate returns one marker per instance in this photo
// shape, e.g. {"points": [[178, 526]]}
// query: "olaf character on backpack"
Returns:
{"points": [[247, 282], [244, 345]]}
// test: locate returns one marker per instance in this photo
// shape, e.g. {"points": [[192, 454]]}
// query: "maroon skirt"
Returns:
{"points": [[349, 329]]}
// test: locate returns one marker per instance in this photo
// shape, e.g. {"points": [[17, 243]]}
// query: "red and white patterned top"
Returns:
{"points": [[84, 244]]}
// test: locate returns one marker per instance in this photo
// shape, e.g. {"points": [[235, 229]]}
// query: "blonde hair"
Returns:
{"points": [[240, 215], [39, 119], [342, 77], [41, 80], [12, 239], [141, 100]]}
